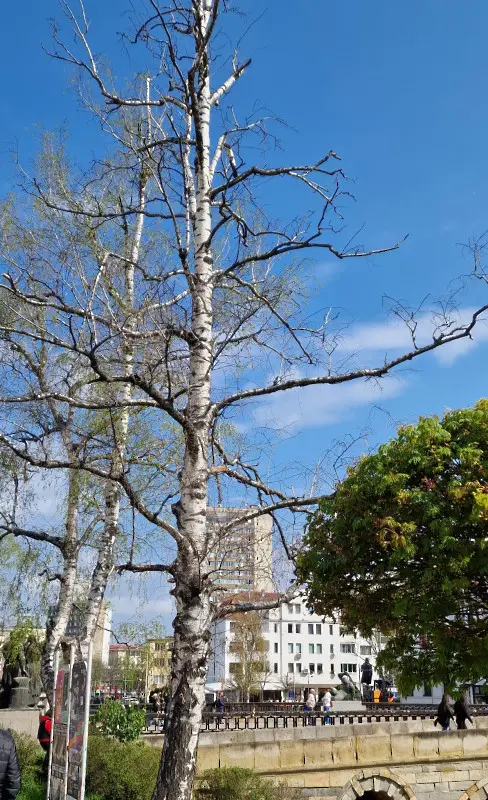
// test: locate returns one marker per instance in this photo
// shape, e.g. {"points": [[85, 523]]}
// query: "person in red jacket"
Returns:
{"points": [[44, 737]]}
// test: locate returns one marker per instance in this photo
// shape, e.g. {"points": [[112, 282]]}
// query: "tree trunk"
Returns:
{"points": [[105, 561], [194, 606], [55, 633], [189, 672]]}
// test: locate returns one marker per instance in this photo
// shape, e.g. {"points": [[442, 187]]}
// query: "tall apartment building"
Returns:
{"points": [[302, 650], [101, 640], [242, 557]]}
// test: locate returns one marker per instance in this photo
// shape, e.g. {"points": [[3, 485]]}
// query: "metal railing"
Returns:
{"points": [[213, 722]]}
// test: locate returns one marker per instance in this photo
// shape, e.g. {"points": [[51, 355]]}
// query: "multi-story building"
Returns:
{"points": [[101, 640], [125, 652], [159, 654], [242, 557], [301, 650]]}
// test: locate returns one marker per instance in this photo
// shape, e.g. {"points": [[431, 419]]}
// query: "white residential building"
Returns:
{"points": [[302, 651], [242, 558]]}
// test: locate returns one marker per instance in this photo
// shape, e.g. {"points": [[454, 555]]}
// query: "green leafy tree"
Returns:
{"points": [[402, 547], [114, 720]]}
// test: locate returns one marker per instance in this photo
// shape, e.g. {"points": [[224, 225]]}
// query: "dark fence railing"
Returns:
{"points": [[213, 722]]}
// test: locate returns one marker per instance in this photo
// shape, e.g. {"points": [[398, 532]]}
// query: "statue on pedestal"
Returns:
{"points": [[20, 682]]}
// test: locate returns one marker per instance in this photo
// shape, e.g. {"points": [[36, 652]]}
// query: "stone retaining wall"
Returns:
{"points": [[22, 721], [404, 760]]}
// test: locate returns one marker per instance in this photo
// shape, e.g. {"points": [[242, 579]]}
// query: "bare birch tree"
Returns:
{"points": [[205, 316]]}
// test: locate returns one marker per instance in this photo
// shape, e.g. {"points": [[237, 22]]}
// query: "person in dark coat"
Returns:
{"points": [[219, 703], [461, 712], [444, 714], [9, 767]]}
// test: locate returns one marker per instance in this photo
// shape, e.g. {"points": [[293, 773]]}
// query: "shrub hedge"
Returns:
{"points": [[121, 770]]}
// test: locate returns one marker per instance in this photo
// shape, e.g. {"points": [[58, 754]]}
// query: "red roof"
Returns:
{"points": [[248, 597]]}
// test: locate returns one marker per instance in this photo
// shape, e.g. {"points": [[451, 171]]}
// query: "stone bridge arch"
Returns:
{"points": [[380, 784], [478, 791]]}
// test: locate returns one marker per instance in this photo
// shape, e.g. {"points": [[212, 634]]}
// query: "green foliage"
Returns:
{"points": [[30, 757], [121, 771], [22, 645], [401, 547], [235, 783], [29, 753], [114, 720], [32, 788]]}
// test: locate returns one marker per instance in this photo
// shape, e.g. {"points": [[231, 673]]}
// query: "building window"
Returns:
{"points": [[232, 625], [311, 648], [311, 667], [298, 608], [319, 650], [298, 647], [298, 628], [320, 669], [342, 631], [332, 669], [290, 668], [276, 647], [299, 668], [275, 669], [290, 608], [365, 649], [318, 629], [290, 627], [427, 691], [348, 648], [331, 630], [348, 668], [331, 648], [310, 628], [276, 627], [290, 647]]}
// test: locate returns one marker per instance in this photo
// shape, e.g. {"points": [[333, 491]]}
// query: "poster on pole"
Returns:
{"points": [[77, 729], [59, 753], [70, 730]]}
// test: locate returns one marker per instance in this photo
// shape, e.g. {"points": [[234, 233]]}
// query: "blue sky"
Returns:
{"points": [[397, 89]]}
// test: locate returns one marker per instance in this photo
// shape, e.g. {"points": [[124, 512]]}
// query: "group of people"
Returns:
{"points": [[445, 714], [324, 703]]}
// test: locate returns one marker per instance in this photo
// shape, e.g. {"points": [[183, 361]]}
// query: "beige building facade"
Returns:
{"points": [[242, 557]]}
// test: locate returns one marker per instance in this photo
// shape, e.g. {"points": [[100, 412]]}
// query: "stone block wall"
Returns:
{"points": [[21, 721], [404, 760]]}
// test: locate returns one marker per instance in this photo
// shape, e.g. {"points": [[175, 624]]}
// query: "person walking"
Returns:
{"points": [[9, 767], [220, 704], [327, 703], [444, 714], [310, 705], [44, 738], [461, 712]]}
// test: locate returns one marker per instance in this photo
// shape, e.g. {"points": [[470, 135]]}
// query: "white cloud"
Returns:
{"points": [[128, 607], [393, 335], [315, 406]]}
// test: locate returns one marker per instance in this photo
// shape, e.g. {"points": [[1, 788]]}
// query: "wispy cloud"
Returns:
{"points": [[315, 406], [393, 335]]}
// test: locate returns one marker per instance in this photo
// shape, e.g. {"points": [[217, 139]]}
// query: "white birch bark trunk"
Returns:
{"points": [[194, 608], [105, 560], [67, 586]]}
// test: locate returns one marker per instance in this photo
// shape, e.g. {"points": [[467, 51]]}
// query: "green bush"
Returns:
{"points": [[233, 783], [124, 724], [121, 770], [32, 787], [28, 750]]}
